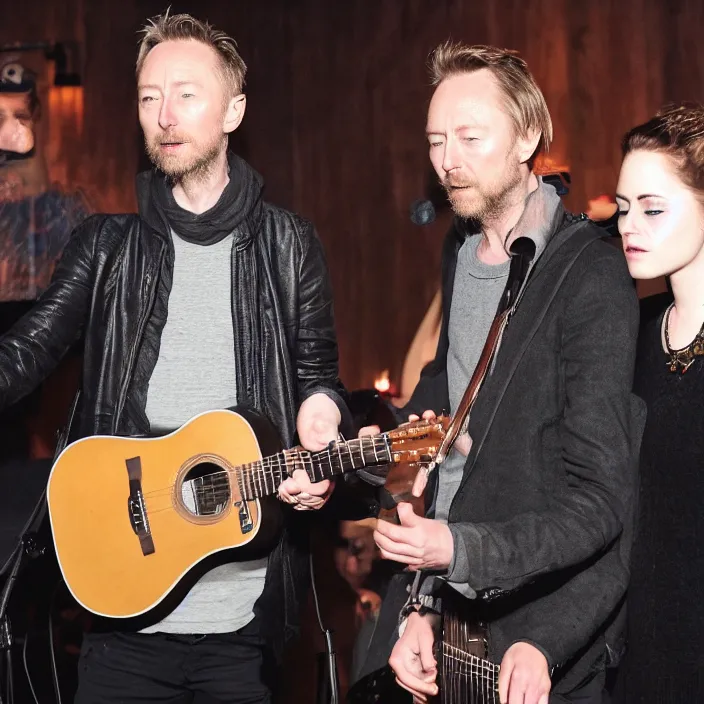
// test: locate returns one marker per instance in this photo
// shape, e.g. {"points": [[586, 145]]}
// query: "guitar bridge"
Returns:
{"points": [[138, 514], [137, 509]]}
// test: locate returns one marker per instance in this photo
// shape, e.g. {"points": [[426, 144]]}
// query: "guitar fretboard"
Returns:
{"points": [[263, 477]]}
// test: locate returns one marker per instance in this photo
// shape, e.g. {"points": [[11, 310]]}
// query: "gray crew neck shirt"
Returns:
{"points": [[195, 372], [476, 293]]}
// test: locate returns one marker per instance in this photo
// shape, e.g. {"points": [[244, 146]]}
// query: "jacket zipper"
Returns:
{"points": [[148, 280], [242, 331]]}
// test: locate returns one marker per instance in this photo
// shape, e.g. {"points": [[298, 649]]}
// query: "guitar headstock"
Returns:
{"points": [[418, 440]]}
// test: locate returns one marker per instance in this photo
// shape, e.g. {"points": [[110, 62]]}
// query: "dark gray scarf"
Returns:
{"points": [[238, 212]]}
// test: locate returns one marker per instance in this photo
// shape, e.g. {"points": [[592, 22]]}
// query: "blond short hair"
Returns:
{"points": [[165, 28], [525, 102]]}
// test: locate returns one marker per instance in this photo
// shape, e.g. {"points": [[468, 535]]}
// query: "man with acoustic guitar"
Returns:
{"points": [[207, 299], [529, 518]]}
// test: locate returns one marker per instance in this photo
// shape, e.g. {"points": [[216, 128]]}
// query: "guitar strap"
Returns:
{"points": [[519, 274], [517, 278]]}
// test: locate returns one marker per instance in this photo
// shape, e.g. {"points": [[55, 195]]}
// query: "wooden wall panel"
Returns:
{"points": [[603, 66], [337, 93]]}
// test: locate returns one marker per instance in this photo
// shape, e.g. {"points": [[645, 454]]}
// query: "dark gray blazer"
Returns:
{"points": [[545, 508]]}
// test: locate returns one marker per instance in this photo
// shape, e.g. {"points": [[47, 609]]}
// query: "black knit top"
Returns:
{"points": [[665, 660]]}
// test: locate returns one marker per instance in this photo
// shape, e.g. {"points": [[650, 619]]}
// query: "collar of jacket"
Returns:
{"points": [[540, 220]]}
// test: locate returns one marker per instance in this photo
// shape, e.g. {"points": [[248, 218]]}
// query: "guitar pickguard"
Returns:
{"points": [[245, 517]]}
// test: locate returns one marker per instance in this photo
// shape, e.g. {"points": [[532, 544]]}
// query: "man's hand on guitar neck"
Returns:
{"points": [[317, 424], [462, 445], [524, 677], [412, 658], [421, 543]]}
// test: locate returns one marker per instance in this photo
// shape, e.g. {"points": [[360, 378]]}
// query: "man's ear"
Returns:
{"points": [[527, 145], [234, 113]]}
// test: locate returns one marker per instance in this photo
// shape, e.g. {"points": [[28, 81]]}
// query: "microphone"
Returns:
{"points": [[422, 212]]}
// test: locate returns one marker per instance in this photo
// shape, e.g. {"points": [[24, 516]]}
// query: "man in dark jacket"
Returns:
{"points": [[209, 298], [531, 511]]}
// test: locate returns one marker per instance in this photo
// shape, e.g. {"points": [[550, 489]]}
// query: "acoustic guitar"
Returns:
{"points": [[131, 517]]}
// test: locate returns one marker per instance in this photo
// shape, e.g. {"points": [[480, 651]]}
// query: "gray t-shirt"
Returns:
{"points": [[195, 373], [476, 294]]}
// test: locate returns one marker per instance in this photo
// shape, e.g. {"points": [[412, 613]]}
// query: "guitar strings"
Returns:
{"points": [[261, 478], [465, 677], [255, 477], [260, 469], [481, 674], [216, 495]]}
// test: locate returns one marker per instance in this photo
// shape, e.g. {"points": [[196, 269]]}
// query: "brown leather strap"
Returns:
{"points": [[517, 278], [521, 259], [475, 383]]}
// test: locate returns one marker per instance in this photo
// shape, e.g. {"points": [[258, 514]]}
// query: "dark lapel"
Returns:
{"points": [[546, 279]]}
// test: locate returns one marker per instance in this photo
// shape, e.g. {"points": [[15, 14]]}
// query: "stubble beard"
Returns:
{"points": [[492, 202], [179, 169]]}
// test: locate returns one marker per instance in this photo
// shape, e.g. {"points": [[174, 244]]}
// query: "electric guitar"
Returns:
{"points": [[465, 673], [132, 517]]}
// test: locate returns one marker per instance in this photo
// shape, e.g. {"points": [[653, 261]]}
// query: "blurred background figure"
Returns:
{"points": [[36, 216]]}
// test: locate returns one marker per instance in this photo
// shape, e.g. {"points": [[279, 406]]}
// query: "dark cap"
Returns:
{"points": [[16, 78]]}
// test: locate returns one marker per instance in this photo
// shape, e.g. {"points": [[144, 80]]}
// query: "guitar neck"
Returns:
{"points": [[263, 477]]}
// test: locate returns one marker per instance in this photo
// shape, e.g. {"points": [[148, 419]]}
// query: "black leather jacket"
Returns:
{"points": [[110, 292]]}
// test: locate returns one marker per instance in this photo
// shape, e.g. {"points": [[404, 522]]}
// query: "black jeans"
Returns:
{"points": [[121, 668]]}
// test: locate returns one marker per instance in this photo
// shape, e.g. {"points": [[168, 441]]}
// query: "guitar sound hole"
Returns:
{"points": [[206, 489]]}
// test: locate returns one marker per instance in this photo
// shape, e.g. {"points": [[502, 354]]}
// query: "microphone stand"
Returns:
{"points": [[28, 546]]}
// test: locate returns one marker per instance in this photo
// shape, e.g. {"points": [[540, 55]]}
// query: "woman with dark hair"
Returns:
{"points": [[660, 197]]}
